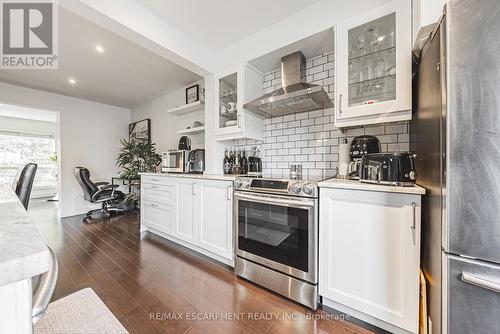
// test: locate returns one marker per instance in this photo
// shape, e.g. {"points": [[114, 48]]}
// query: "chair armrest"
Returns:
{"points": [[107, 187], [99, 184], [45, 288]]}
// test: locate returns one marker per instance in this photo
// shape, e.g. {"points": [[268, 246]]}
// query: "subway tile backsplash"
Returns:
{"points": [[310, 138]]}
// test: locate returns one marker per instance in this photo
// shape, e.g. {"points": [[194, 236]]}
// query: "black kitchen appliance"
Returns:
{"points": [[360, 146], [395, 169], [195, 163], [254, 166], [184, 143]]}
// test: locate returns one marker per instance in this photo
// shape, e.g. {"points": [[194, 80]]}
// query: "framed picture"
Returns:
{"points": [[140, 131], [192, 94]]}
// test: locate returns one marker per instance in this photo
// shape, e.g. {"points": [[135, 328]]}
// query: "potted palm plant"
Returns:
{"points": [[136, 157]]}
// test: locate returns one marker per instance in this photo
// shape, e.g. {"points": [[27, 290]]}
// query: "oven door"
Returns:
{"points": [[279, 232], [173, 162]]}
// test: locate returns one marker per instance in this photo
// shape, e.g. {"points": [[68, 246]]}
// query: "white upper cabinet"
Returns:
{"points": [[234, 87], [373, 66]]}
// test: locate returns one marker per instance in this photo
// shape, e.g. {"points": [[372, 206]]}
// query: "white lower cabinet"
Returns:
{"points": [[215, 215], [185, 224], [157, 216], [196, 213], [370, 256]]}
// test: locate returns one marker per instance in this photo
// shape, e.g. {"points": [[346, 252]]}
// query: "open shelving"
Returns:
{"points": [[187, 108], [192, 131]]}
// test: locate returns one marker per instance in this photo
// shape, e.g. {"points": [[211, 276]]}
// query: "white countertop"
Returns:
{"points": [[23, 251], [356, 185], [194, 176]]}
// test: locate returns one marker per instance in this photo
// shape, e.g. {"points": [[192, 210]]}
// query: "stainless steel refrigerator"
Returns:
{"points": [[455, 132]]}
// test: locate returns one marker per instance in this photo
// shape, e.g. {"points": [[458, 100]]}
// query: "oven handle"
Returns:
{"points": [[272, 200]]}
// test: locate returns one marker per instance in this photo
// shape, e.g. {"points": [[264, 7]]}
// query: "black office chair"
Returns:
{"points": [[25, 183], [99, 192]]}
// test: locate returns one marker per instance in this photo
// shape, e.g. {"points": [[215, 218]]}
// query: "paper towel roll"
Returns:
{"points": [[344, 159]]}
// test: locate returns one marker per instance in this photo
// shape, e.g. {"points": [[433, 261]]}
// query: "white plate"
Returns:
{"points": [[231, 123]]}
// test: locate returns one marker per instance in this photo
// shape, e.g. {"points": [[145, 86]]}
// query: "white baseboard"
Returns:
{"points": [[364, 317], [228, 262]]}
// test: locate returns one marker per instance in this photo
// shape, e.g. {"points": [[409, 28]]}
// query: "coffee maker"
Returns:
{"points": [[360, 146], [184, 143], [195, 163]]}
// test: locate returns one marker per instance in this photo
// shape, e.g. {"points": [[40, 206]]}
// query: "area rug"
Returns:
{"points": [[79, 313]]}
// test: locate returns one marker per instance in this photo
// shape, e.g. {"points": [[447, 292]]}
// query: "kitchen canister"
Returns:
{"points": [[344, 159]]}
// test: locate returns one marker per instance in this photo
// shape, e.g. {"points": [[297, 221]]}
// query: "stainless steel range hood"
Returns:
{"points": [[295, 96]]}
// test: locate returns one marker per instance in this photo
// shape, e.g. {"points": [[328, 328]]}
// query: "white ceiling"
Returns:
{"points": [[9, 110], [125, 75], [216, 24]]}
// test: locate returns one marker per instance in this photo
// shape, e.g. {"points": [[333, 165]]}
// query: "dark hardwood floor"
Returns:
{"points": [[154, 286]]}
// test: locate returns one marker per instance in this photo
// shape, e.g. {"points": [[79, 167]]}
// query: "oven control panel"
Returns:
{"points": [[277, 186]]}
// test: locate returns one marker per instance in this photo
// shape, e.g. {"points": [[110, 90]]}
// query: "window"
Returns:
{"points": [[17, 149]]}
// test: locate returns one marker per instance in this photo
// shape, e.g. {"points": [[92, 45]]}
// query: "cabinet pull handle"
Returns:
{"points": [[228, 193], [194, 189], [154, 187], [340, 104], [156, 180], [480, 282], [414, 222], [414, 208], [239, 118]]}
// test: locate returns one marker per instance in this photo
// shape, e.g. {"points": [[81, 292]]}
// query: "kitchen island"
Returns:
{"points": [[23, 255]]}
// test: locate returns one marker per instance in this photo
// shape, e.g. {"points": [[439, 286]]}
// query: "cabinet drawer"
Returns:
{"points": [[158, 216], [160, 179], [473, 290], [159, 193]]}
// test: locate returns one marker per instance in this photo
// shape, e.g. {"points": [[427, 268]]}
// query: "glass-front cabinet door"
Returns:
{"points": [[233, 87], [228, 104], [374, 65]]}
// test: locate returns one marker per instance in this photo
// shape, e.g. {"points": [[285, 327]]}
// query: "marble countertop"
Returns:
{"points": [[23, 251], [195, 176], [356, 185]]}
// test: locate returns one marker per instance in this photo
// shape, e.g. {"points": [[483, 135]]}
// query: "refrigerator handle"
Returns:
{"points": [[480, 282]]}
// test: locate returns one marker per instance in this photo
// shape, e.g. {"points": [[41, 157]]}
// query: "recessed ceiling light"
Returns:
{"points": [[72, 81], [99, 49]]}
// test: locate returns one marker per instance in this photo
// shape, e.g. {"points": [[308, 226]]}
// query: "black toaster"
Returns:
{"points": [[395, 169]]}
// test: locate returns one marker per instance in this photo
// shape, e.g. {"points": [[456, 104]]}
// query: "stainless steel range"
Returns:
{"points": [[277, 236]]}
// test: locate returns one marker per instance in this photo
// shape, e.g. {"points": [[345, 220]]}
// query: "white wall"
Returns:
{"points": [[90, 136], [309, 21], [426, 12], [164, 127], [27, 126]]}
